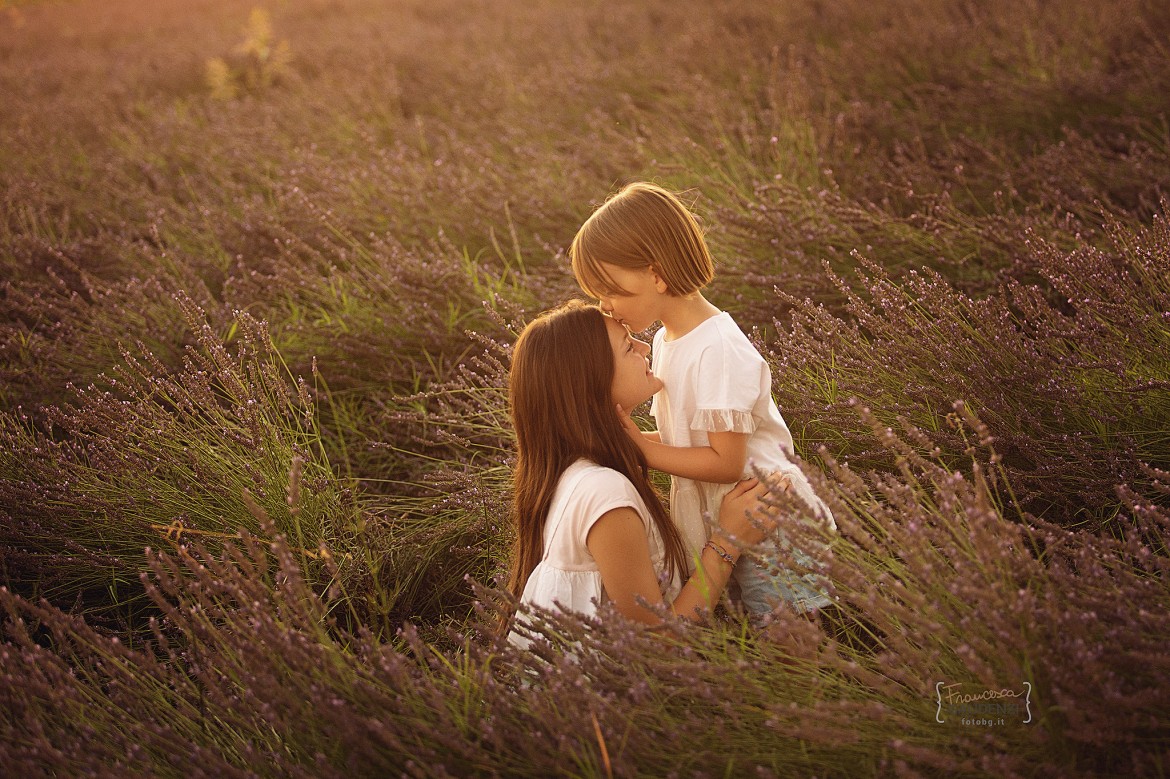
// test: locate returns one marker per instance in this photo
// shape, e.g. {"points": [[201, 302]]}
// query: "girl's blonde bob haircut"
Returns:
{"points": [[642, 226]]}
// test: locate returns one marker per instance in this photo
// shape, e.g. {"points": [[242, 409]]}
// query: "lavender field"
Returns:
{"points": [[261, 266]]}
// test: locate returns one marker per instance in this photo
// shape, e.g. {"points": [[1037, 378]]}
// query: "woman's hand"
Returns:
{"points": [[743, 517], [741, 523]]}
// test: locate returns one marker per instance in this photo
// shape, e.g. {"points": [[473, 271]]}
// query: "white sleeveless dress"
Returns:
{"points": [[567, 577]]}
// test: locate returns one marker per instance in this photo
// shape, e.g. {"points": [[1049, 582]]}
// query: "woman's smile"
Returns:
{"points": [[634, 381]]}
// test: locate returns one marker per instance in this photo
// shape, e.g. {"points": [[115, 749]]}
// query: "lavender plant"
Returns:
{"points": [[247, 670], [152, 455], [1070, 380]]}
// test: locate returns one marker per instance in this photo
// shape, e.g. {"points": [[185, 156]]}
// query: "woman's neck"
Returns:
{"points": [[682, 315]]}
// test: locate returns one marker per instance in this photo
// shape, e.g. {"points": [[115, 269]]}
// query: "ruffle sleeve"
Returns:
{"points": [[730, 381], [723, 420]]}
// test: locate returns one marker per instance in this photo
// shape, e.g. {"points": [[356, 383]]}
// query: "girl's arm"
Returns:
{"points": [[721, 462], [619, 544]]}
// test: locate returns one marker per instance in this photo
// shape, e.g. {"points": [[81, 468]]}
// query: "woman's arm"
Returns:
{"points": [[722, 461], [619, 544], [739, 524]]}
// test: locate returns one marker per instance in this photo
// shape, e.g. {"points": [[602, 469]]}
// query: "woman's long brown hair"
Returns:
{"points": [[561, 377]]}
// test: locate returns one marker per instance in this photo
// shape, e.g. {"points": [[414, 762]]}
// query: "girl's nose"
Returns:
{"points": [[641, 347], [606, 305]]}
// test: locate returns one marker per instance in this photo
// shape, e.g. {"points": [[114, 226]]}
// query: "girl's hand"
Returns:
{"points": [[743, 517]]}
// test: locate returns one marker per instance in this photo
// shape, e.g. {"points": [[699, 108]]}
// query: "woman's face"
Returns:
{"points": [[633, 383]]}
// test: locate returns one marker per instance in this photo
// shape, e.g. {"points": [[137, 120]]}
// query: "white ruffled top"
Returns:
{"points": [[714, 380], [567, 577]]}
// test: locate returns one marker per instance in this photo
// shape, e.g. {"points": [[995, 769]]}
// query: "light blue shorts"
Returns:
{"points": [[765, 584]]}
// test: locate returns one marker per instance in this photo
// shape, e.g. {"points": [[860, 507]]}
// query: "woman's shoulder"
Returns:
{"points": [[587, 476], [595, 489], [588, 490]]}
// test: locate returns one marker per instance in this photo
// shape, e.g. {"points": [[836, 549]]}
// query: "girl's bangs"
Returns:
{"points": [[593, 278]]}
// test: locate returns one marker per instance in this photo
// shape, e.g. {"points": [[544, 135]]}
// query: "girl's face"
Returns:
{"points": [[633, 383], [640, 306]]}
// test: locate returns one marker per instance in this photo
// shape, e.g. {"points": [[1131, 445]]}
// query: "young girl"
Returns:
{"points": [[589, 526], [644, 257]]}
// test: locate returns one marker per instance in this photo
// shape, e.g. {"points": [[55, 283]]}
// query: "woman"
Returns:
{"points": [[589, 526]]}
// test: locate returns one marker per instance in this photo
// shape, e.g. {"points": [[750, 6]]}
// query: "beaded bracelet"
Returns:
{"points": [[721, 552]]}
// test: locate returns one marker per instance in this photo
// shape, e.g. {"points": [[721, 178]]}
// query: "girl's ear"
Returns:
{"points": [[659, 283]]}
